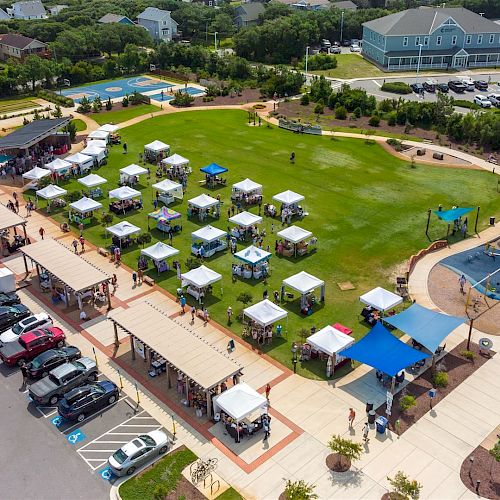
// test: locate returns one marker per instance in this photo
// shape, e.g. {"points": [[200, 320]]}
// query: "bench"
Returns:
{"points": [[148, 280], [103, 252]]}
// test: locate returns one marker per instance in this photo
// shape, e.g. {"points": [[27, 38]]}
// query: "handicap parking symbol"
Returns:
{"points": [[106, 474], [57, 421], [76, 436]]}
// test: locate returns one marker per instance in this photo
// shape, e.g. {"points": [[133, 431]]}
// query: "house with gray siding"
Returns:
{"points": [[32, 9], [432, 38], [159, 23]]}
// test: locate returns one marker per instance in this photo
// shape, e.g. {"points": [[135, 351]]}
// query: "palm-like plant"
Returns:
{"points": [[299, 490], [404, 488], [347, 451]]}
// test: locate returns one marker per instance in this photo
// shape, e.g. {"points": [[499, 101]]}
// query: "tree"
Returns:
{"points": [[85, 106], [404, 488], [33, 68], [182, 99], [57, 113], [71, 129], [495, 452], [299, 490], [348, 451], [321, 89]]}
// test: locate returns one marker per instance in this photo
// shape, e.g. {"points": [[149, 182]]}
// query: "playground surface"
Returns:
{"points": [[118, 88]]}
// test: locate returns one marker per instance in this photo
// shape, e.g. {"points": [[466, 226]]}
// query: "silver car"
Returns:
{"points": [[137, 452]]}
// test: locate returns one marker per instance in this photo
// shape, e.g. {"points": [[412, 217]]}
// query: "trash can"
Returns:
{"points": [[492, 221], [381, 424], [371, 417], [369, 407]]}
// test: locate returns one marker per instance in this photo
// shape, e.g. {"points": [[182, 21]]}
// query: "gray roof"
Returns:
{"points": [[31, 8], [250, 11], [345, 4], [32, 133], [112, 18], [424, 21], [3, 15], [154, 14]]}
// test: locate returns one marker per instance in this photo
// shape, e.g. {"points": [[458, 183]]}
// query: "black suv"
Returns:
{"points": [[48, 360], [443, 87], [9, 299], [457, 86], [481, 85], [88, 399], [9, 315]]}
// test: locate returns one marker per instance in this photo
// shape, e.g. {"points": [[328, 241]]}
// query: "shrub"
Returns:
{"points": [[137, 98], [391, 119], [440, 379], [50, 96], [340, 113], [85, 106], [57, 113], [106, 218], [397, 145], [466, 104], [385, 105], [299, 490], [96, 104], [374, 121], [396, 87], [109, 104], [320, 61], [70, 128], [74, 196], [182, 99], [304, 100], [405, 488], [407, 402], [319, 109], [468, 355], [245, 298], [125, 101], [358, 112]]}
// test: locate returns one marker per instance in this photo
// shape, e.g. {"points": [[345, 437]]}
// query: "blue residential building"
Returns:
{"points": [[437, 38], [159, 23]]}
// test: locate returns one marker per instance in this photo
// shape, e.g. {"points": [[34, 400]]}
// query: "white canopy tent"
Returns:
{"points": [[131, 173], [175, 160], [95, 152], [99, 134], [245, 219], [294, 234], [123, 229], [203, 203], [58, 165], [159, 253], [92, 180], [381, 299], [156, 147], [288, 198], [108, 127], [36, 173], [50, 192], [124, 193], [207, 241], [169, 190], [265, 313], [98, 143], [253, 255], [85, 205], [197, 280], [208, 234], [82, 160], [240, 402], [247, 186], [304, 283]]}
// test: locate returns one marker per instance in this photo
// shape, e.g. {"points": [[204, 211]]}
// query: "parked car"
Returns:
{"points": [[355, 48], [346, 43], [468, 82], [9, 298], [457, 86], [443, 87], [494, 99], [31, 344], [430, 85], [482, 101], [481, 85], [137, 452], [40, 320], [62, 379], [418, 88], [80, 403], [335, 50], [48, 360], [12, 314]]}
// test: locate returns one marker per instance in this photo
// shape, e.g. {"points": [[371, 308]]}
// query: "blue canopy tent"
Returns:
{"points": [[382, 351], [427, 327], [450, 216], [211, 172]]}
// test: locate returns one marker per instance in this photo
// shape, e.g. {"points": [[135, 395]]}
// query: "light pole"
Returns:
{"points": [[341, 26], [307, 56], [215, 39], [295, 348], [418, 63]]}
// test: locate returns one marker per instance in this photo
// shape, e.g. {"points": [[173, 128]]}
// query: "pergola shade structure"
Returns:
{"points": [[75, 273], [9, 219], [265, 313], [304, 283], [182, 350], [381, 299], [241, 401]]}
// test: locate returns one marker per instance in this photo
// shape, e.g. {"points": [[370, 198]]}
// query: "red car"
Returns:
{"points": [[31, 344]]}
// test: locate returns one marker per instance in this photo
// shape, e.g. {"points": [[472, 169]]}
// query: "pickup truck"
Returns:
{"points": [[30, 344]]}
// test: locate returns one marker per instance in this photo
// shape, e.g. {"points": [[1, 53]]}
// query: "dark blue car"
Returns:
{"points": [[83, 401]]}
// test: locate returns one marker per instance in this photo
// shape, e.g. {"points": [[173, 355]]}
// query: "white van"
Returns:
{"points": [[468, 82]]}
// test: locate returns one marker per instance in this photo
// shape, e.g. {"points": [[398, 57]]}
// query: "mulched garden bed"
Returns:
{"points": [[185, 490], [247, 95], [484, 468], [458, 369]]}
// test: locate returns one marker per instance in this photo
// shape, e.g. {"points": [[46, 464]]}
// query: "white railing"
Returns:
{"points": [[406, 67], [489, 64]]}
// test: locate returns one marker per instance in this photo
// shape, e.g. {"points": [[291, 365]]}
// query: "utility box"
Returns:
{"points": [[7, 280]]}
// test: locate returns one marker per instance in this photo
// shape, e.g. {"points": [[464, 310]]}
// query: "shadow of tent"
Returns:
{"points": [[366, 389]]}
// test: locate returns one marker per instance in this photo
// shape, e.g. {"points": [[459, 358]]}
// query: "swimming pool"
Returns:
{"points": [[117, 88], [476, 264]]}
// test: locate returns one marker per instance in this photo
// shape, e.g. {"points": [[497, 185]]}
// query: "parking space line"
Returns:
{"points": [[101, 451], [136, 425], [376, 83]]}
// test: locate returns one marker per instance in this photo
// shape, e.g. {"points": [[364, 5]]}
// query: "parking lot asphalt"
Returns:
{"points": [[67, 458]]}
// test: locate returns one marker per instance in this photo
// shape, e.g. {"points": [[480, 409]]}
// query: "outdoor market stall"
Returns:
{"points": [[108, 127], [192, 366], [64, 273], [207, 241], [53, 195], [155, 151], [82, 211], [130, 175], [255, 263], [98, 154], [159, 253], [125, 196], [60, 168], [199, 282], [10, 220], [83, 163], [164, 217], [247, 192], [122, 233], [295, 241], [100, 135], [92, 181], [168, 191], [290, 207], [246, 223], [202, 206], [378, 300], [240, 410], [176, 161], [263, 316], [212, 175], [97, 143], [34, 175], [331, 342], [305, 284]]}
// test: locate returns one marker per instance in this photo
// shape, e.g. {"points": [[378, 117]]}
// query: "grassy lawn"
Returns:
{"points": [[230, 494], [351, 66], [12, 105], [166, 472], [124, 114], [367, 208], [80, 125]]}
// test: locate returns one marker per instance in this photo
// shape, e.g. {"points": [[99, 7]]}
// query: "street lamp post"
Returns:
{"points": [[307, 56], [295, 348], [215, 39], [418, 62], [341, 26]]}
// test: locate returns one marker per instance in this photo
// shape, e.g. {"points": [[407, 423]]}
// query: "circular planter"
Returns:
{"points": [[392, 496], [334, 463]]}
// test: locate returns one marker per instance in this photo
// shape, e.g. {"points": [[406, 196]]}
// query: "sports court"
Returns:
{"points": [[118, 88], [158, 96]]}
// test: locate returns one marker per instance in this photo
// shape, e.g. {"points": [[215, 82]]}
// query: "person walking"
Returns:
{"points": [[24, 373], [140, 275], [16, 203], [352, 416], [41, 232], [75, 245], [268, 391], [124, 148], [114, 283], [193, 314], [205, 315], [266, 425], [366, 430], [463, 229], [183, 304], [462, 282], [229, 314], [134, 278], [82, 243], [80, 227]]}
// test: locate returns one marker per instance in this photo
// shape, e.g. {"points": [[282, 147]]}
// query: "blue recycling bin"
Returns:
{"points": [[381, 424]]}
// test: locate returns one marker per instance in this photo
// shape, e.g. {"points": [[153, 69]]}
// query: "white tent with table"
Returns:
{"points": [[207, 241], [98, 143], [92, 180], [123, 230], [82, 211], [265, 313], [297, 237], [198, 281], [168, 191], [130, 175], [247, 186], [381, 299], [85, 162], [108, 127], [124, 193], [97, 153], [50, 192], [255, 263], [176, 160], [159, 253], [245, 219], [100, 135], [154, 149], [305, 284], [288, 198], [202, 204], [241, 402], [36, 173], [58, 166]]}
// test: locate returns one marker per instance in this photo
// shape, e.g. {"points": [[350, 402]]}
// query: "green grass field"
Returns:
{"points": [[123, 114], [367, 208], [351, 66], [13, 105], [80, 125]]}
